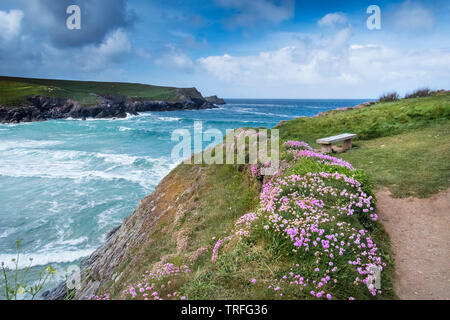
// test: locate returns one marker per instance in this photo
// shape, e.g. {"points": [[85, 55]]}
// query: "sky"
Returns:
{"points": [[233, 48]]}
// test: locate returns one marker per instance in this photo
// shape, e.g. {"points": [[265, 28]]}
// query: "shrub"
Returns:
{"points": [[389, 97], [419, 93]]}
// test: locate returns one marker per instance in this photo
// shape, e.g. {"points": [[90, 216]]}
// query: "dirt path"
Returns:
{"points": [[420, 236]]}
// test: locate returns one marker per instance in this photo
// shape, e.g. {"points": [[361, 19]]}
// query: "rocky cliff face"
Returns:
{"points": [[41, 108], [173, 197]]}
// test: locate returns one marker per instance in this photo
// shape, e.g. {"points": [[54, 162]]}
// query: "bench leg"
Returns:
{"points": [[326, 148], [347, 145]]}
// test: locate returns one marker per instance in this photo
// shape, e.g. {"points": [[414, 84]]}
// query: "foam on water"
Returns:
{"points": [[31, 144], [45, 257], [77, 165]]}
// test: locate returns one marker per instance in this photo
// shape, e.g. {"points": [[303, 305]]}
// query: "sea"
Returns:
{"points": [[64, 184]]}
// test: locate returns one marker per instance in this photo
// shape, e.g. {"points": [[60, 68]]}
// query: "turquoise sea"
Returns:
{"points": [[65, 183]]}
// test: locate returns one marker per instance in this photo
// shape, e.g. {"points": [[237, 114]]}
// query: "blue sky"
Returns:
{"points": [[233, 48]]}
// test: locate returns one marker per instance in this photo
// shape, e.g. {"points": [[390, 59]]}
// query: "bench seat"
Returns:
{"points": [[327, 142]]}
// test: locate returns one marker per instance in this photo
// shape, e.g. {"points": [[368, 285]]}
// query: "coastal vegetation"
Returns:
{"points": [[15, 91], [419, 93], [312, 231], [15, 283], [309, 232], [389, 97]]}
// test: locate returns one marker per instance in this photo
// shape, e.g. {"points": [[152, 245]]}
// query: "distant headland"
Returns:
{"points": [[26, 99]]}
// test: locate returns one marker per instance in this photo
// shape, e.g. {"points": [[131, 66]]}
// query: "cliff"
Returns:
{"points": [[43, 108], [25, 100]]}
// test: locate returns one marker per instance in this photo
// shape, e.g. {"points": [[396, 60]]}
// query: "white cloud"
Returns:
{"points": [[250, 12], [115, 43], [333, 68], [113, 50], [333, 20], [362, 46], [10, 23], [290, 64], [46, 20]]}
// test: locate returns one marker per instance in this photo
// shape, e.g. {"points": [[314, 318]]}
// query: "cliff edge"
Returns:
{"points": [[26, 100]]}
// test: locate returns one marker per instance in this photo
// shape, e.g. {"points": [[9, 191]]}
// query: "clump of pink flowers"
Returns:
{"points": [[297, 145], [256, 171], [311, 212], [322, 157], [101, 297], [216, 250], [154, 283], [217, 246], [243, 224], [301, 210]]}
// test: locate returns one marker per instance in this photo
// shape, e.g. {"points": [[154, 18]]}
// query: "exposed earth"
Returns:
{"points": [[420, 236]]}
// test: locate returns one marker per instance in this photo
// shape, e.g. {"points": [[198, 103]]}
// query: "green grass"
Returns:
{"points": [[415, 163], [14, 91], [380, 120], [403, 146]]}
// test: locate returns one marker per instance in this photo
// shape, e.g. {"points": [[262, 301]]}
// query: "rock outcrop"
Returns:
{"points": [[41, 108], [215, 100]]}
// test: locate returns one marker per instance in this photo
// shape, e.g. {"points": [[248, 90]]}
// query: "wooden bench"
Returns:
{"points": [[327, 142]]}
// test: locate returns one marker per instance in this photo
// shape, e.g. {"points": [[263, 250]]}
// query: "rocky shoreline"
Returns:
{"points": [[41, 108]]}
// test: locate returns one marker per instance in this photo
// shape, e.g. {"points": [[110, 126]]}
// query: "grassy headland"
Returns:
{"points": [[220, 234], [15, 91]]}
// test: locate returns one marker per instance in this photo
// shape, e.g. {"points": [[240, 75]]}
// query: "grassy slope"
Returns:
{"points": [[415, 163], [381, 120], [17, 90], [223, 194], [403, 146]]}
